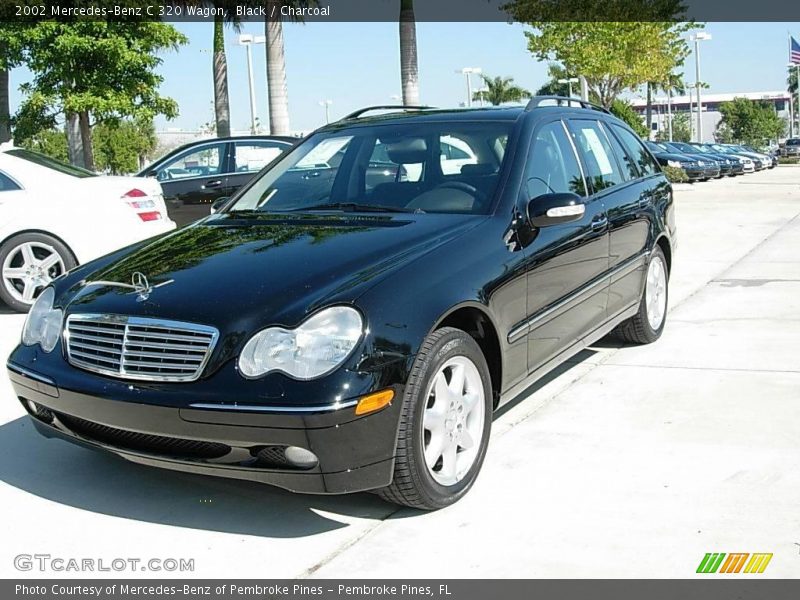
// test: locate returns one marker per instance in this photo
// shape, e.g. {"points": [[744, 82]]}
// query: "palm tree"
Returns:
{"points": [[5, 109], [10, 55], [409, 69], [276, 69], [672, 85], [499, 90], [222, 108]]}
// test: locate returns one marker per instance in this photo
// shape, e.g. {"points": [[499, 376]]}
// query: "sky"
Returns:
{"points": [[358, 64]]}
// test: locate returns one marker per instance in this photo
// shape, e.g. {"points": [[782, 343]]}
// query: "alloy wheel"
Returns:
{"points": [[656, 293], [453, 420], [29, 268]]}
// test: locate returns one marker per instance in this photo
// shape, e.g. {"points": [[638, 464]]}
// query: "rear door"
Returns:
{"points": [[566, 292], [631, 210]]}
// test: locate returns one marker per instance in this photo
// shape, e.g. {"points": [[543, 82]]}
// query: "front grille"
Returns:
{"points": [[138, 348], [144, 442]]}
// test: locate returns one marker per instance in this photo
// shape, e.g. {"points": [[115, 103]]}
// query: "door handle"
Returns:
{"points": [[645, 198], [212, 184], [311, 175], [599, 222]]}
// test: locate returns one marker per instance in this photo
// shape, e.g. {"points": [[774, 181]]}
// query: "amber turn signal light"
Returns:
{"points": [[372, 402]]}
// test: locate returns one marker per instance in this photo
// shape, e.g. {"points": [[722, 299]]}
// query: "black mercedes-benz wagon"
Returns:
{"points": [[353, 316]]}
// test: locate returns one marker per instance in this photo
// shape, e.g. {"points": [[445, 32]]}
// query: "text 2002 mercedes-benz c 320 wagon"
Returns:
{"points": [[350, 320]]}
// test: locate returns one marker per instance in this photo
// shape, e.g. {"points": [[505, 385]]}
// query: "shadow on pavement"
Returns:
{"points": [[105, 484]]}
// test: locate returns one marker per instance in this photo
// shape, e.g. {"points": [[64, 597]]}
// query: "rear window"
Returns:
{"points": [[793, 142], [50, 163]]}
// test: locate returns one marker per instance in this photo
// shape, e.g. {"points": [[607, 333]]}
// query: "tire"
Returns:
{"points": [[415, 484], [640, 328], [28, 263]]}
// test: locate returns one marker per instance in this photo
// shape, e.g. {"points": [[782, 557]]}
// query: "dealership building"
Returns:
{"points": [[711, 116]]}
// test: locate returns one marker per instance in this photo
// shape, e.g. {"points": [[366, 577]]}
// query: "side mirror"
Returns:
{"points": [[218, 203], [552, 209]]}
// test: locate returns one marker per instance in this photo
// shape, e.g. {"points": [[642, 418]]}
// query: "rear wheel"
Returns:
{"points": [[28, 263], [444, 423], [647, 325]]}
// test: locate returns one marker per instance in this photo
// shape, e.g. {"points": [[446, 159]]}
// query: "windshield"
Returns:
{"points": [[50, 163], [793, 142], [408, 167]]}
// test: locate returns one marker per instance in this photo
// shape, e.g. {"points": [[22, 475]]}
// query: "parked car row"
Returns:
{"points": [[702, 162]]}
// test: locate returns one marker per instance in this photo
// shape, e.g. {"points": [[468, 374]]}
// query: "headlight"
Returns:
{"points": [[43, 325], [674, 163], [313, 349]]}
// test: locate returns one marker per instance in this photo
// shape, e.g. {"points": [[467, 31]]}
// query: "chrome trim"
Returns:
{"points": [[123, 320], [29, 374], [523, 329], [577, 158], [278, 409]]}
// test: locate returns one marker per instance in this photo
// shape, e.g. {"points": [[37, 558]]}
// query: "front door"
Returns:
{"points": [[567, 262]]}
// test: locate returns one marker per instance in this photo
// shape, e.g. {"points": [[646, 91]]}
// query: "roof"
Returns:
{"points": [[489, 113]]}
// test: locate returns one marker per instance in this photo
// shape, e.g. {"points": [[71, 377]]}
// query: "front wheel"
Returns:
{"points": [[647, 325], [444, 423]]}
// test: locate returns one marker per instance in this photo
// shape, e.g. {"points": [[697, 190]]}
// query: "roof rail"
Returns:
{"points": [[361, 111], [536, 101]]}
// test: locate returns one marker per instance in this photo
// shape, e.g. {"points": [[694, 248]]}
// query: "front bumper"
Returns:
{"points": [[354, 453]]}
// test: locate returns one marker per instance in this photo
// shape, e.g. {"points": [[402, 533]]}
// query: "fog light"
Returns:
{"points": [[300, 457], [373, 402]]}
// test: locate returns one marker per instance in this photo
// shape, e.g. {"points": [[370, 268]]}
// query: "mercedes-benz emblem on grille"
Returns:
{"points": [[141, 286]]}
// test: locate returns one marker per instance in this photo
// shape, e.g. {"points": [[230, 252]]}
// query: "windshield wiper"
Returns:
{"points": [[355, 207]]}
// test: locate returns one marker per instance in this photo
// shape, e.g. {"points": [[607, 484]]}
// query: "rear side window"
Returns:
{"points": [[552, 166], [602, 170], [630, 170], [7, 184], [647, 165], [249, 157]]}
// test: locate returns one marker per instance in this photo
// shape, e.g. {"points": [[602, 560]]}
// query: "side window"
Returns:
{"points": [[592, 143], [552, 166], [7, 184], [250, 157], [203, 161], [647, 165], [630, 169]]}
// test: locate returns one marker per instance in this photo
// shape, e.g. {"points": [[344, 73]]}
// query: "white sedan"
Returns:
{"points": [[54, 216]]}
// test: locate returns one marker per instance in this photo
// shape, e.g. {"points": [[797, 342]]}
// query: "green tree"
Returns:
{"points": [[748, 122], [499, 90], [643, 44], [120, 83], [681, 129], [11, 53], [624, 111], [51, 142], [122, 147]]}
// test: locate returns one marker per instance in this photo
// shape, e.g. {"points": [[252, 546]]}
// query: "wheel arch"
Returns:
{"points": [[664, 243], [474, 319], [42, 232]]}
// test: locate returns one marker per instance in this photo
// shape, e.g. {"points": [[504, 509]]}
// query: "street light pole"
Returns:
{"points": [[569, 81], [468, 72], [327, 105], [698, 37], [669, 111], [247, 41]]}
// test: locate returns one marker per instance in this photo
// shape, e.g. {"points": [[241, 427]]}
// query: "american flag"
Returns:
{"points": [[794, 57]]}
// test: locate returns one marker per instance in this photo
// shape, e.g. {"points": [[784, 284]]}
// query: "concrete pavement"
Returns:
{"points": [[628, 462]]}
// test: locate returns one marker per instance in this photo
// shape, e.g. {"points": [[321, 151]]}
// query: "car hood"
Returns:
{"points": [[675, 156], [262, 269]]}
